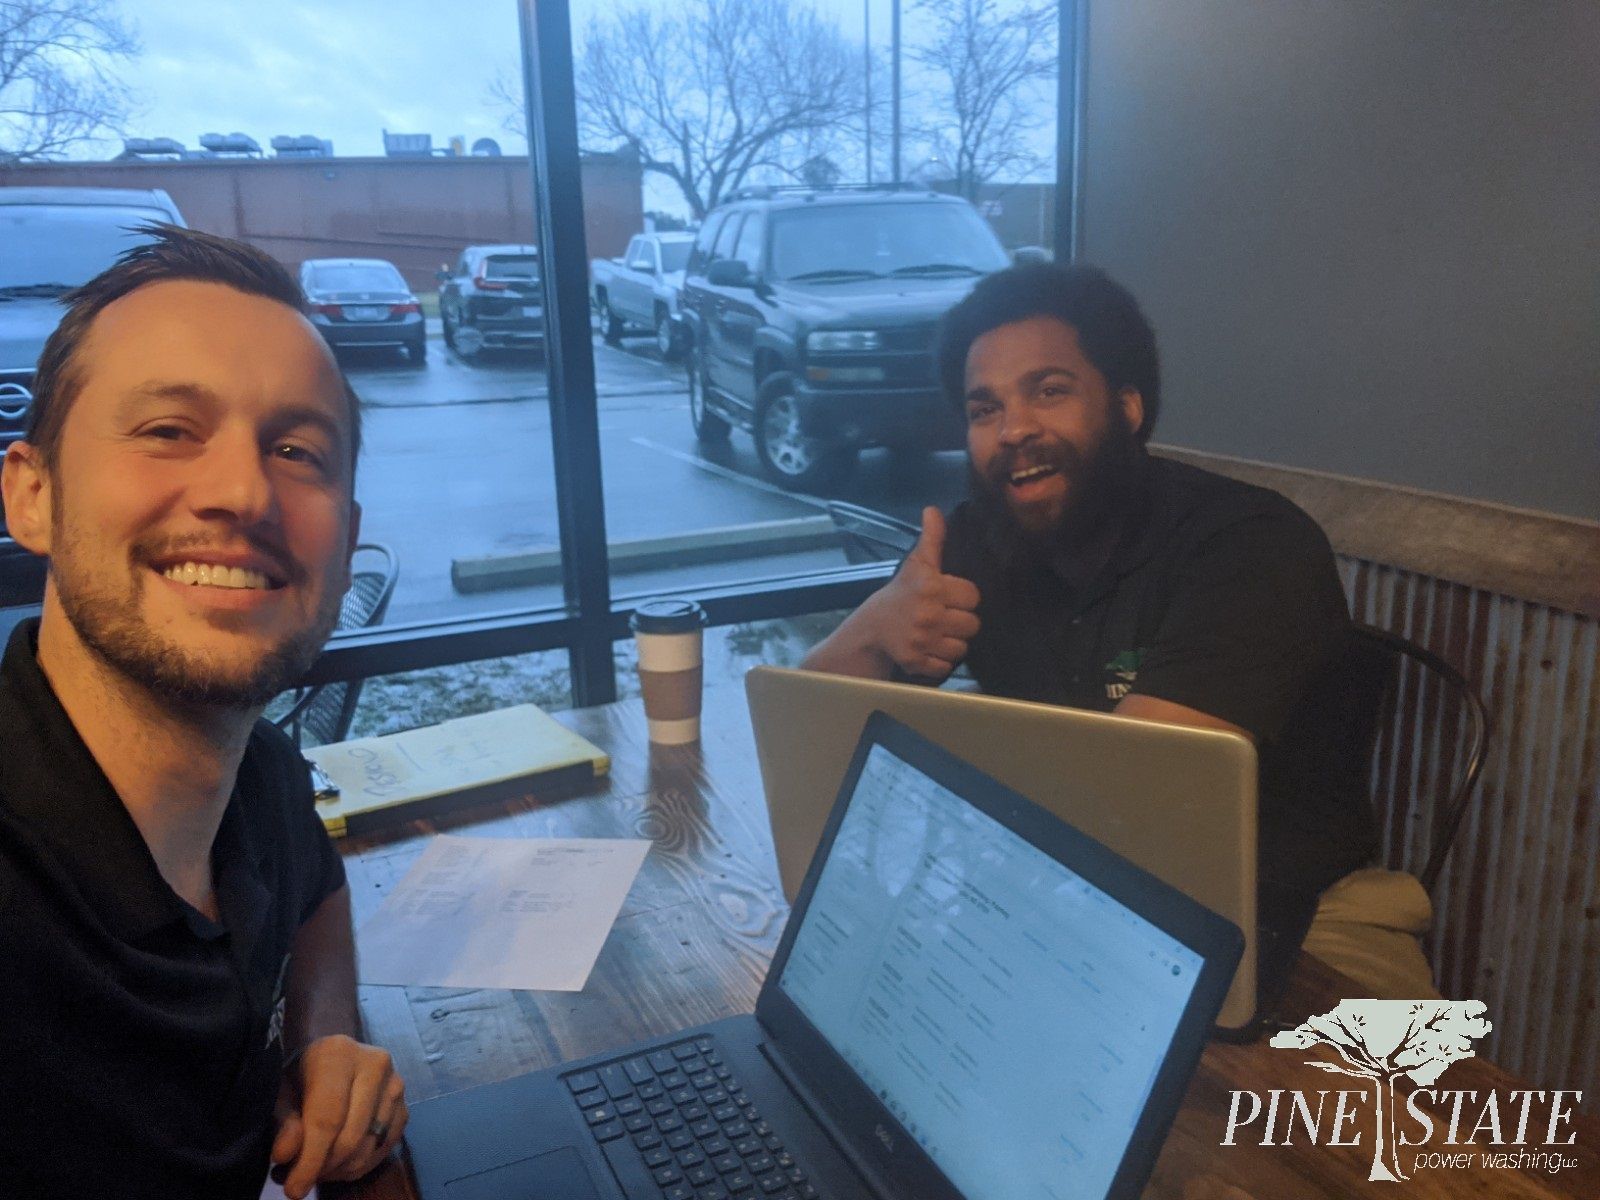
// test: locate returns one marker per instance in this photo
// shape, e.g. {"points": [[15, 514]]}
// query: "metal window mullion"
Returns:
{"points": [[1072, 41], [574, 410]]}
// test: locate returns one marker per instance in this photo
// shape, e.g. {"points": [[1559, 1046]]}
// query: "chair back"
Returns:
{"points": [[1430, 734], [869, 536], [323, 713]]}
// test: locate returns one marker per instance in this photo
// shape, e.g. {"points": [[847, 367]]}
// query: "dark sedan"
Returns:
{"points": [[364, 302], [492, 297]]}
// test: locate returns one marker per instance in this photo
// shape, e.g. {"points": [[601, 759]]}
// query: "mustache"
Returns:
{"points": [[1062, 455], [195, 545]]}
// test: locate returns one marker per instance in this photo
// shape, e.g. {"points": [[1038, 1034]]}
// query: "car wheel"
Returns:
{"points": [[610, 323], [417, 352], [788, 457], [469, 342], [708, 427], [666, 335]]}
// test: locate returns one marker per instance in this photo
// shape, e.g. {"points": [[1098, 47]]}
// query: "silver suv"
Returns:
{"points": [[51, 240]]}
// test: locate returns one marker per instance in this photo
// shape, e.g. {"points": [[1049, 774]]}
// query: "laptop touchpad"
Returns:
{"points": [[558, 1175]]}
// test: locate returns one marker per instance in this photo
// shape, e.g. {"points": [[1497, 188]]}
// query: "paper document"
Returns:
{"points": [[530, 914]]}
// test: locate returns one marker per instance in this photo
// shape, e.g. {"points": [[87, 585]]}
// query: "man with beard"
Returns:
{"points": [[179, 983], [1083, 571]]}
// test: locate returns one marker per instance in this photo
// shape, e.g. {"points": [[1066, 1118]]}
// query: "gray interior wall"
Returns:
{"points": [[1367, 231]]}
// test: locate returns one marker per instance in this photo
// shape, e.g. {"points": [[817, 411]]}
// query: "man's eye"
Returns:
{"points": [[167, 433], [293, 452]]}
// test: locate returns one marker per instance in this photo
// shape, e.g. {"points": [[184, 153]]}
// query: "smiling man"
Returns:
{"points": [[1083, 571], [179, 986]]}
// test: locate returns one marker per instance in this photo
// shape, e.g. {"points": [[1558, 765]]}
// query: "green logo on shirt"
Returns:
{"points": [[1121, 672]]}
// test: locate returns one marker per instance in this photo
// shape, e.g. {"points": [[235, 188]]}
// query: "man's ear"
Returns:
{"points": [[1132, 404], [25, 483]]}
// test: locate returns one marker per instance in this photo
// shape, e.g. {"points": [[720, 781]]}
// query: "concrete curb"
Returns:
{"points": [[532, 568]]}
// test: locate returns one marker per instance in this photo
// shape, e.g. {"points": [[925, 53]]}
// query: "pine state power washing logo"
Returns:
{"points": [[1381, 1041]]}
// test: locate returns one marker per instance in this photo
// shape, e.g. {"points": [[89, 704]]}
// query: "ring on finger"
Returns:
{"points": [[378, 1129]]}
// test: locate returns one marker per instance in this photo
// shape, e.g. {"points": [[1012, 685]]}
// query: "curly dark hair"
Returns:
{"points": [[173, 253], [1112, 329]]}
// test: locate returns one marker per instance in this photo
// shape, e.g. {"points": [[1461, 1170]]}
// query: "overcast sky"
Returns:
{"points": [[348, 69]]}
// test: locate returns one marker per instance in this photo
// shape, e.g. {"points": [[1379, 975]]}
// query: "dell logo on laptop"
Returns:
{"points": [[885, 1137]]}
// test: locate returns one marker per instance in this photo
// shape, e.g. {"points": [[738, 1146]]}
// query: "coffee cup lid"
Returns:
{"points": [[668, 616]]}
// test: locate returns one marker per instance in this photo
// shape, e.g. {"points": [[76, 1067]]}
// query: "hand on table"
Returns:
{"points": [[922, 618], [341, 1110]]}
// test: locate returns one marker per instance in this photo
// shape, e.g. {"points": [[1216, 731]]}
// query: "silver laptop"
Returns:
{"points": [[1179, 802]]}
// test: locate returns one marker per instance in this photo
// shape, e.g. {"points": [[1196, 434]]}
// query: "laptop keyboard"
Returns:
{"points": [[691, 1124]]}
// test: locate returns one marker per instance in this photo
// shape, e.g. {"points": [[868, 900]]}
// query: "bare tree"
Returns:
{"points": [[1382, 1040], [56, 83], [981, 62], [707, 92]]}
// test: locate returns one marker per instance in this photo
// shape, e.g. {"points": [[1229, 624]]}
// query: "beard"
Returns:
{"points": [[106, 614], [1099, 479]]}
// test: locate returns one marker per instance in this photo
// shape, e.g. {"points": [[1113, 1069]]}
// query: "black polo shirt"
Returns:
{"points": [[1218, 596], [140, 1048]]}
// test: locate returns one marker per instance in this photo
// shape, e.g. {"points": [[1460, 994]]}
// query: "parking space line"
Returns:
{"points": [[734, 476]]}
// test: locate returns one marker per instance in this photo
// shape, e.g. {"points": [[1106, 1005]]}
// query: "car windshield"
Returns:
{"points": [[357, 277], [511, 266], [856, 241], [675, 255], [48, 248]]}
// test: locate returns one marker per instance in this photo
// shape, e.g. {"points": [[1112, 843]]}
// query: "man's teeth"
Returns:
{"points": [[1031, 473], [206, 575]]}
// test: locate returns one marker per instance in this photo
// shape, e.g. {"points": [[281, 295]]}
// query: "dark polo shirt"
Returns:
{"points": [[140, 1047], [1218, 596]]}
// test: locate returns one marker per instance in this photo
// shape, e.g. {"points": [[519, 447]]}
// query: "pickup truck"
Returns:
{"points": [[640, 289]]}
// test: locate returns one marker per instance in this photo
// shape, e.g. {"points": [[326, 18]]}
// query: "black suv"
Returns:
{"points": [[492, 298], [810, 317]]}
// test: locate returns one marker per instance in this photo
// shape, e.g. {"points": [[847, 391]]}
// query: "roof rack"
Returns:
{"points": [[767, 191]]}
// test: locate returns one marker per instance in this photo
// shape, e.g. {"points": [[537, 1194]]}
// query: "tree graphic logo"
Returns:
{"points": [[1382, 1040]]}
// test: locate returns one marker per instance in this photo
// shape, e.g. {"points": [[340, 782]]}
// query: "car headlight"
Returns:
{"points": [[826, 341]]}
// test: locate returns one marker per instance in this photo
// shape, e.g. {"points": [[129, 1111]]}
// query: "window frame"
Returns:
{"points": [[590, 620]]}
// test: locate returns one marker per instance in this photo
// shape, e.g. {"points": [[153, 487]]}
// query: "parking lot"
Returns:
{"points": [[457, 469]]}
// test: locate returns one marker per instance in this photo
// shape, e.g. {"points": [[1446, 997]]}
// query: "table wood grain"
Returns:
{"points": [[703, 919]]}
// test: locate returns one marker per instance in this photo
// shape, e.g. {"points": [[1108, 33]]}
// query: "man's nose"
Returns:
{"points": [[231, 480], [1017, 424]]}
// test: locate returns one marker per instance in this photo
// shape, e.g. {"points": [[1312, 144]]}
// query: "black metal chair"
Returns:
{"points": [[867, 535], [324, 712], [1421, 698]]}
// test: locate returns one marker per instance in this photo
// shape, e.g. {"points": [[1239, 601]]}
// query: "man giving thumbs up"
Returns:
{"points": [[920, 621]]}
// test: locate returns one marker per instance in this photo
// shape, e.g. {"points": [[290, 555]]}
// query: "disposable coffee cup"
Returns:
{"points": [[671, 639]]}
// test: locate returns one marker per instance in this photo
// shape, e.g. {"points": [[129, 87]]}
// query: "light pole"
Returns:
{"points": [[894, 59], [866, 21]]}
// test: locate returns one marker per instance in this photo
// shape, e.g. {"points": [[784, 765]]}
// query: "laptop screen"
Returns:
{"points": [[1012, 1016]]}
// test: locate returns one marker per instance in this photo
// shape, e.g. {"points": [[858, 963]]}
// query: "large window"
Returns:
{"points": [[752, 341]]}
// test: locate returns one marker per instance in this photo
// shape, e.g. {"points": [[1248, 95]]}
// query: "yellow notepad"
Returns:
{"points": [[470, 760]]}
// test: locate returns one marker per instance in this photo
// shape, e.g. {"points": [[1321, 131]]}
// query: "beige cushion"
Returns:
{"points": [[1368, 925]]}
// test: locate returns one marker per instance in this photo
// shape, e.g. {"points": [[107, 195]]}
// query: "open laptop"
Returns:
{"points": [[971, 1001], [1181, 803]]}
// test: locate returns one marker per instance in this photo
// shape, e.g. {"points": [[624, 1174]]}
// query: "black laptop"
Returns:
{"points": [[971, 1000]]}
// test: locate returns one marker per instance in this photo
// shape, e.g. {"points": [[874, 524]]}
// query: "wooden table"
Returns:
{"points": [[704, 917]]}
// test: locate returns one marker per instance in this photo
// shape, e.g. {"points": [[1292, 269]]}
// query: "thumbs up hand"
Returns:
{"points": [[922, 619]]}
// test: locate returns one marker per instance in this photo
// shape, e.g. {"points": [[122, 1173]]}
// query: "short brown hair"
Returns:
{"points": [[172, 253]]}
